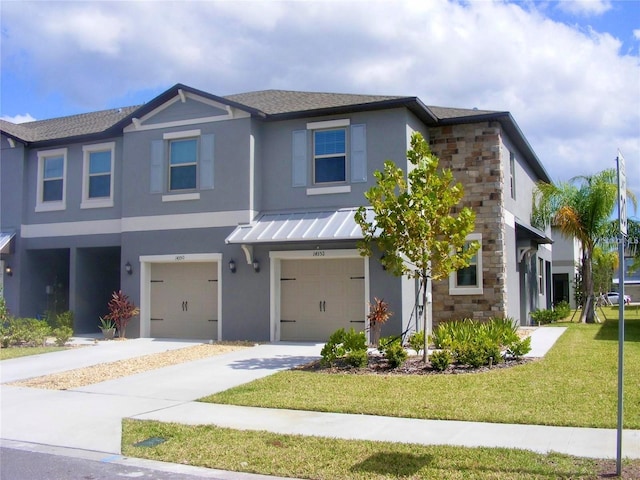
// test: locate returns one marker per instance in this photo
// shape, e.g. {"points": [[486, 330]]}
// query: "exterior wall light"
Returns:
{"points": [[128, 268], [256, 265], [8, 270], [232, 266]]}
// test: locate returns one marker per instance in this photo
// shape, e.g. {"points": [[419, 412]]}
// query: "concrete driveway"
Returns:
{"points": [[90, 417]]}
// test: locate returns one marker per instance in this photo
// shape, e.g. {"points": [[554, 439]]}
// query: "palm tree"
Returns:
{"points": [[581, 209]]}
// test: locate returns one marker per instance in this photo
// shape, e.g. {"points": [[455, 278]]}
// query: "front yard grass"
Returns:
{"points": [[574, 385], [15, 352], [329, 459]]}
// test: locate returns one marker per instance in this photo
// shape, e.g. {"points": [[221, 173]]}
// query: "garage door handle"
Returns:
{"points": [[324, 306], [320, 305], [186, 306]]}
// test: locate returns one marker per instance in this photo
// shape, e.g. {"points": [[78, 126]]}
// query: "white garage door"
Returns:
{"points": [[321, 296], [184, 300]]}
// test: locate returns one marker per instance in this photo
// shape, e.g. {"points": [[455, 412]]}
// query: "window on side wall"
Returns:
{"points": [[468, 280], [541, 276], [97, 183], [512, 174], [52, 171]]}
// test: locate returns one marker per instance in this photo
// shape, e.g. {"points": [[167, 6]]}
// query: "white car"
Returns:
{"points": [[614, 298]]}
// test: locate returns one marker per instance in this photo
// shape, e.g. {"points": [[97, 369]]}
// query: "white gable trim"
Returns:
{"points": [[138, 124]]}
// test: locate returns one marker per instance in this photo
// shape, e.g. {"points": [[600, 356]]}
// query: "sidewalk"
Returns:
{"points": [[90, 417]]}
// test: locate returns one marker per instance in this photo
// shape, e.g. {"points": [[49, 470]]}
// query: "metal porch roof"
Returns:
{"points": [[299, 227], [5, 241]]}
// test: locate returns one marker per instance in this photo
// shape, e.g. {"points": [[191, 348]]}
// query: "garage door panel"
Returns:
{"points": [[184, 300], [326, 295]]}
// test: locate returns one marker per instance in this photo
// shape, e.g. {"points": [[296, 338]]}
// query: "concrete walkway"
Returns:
{"points": [[89, 418]]}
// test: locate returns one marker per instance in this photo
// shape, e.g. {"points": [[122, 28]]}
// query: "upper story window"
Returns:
{"points": [[52, 171], [97, 180], [181, 164], [541, 290], [512, 174], [468, 280], [328, 156]]}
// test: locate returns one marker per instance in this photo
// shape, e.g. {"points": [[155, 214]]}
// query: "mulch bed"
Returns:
{"points": [[378, 365]]}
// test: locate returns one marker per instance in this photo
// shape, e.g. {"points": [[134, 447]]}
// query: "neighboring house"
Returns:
{"points": [[232, 217], [631, 275], [567, 255]]}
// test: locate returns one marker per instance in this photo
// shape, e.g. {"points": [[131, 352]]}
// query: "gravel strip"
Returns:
{"points": [[81, 377]]}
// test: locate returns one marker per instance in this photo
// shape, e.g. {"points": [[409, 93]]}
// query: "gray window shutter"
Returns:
{"points": [[299, 166], [157, 166], [358, 153], [207, 147]]}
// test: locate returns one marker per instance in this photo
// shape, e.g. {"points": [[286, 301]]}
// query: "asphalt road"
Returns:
{"points": [[24, 464]]}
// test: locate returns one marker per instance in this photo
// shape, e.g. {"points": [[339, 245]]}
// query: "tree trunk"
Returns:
{"points": [[588, 310], [425, 322]]}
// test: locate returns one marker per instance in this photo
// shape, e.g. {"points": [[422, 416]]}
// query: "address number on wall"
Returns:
{"points": [[318, 253], [179, 258]]}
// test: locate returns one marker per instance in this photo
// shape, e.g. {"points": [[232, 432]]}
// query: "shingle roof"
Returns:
{"points": [[274, 102], [66, 127], [447, 112]]}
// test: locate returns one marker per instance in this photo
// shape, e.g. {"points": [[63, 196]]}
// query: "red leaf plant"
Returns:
{"points": [[121, 311]]}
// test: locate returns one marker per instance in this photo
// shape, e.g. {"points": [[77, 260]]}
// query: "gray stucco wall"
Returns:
{"points": [[386, 139]]}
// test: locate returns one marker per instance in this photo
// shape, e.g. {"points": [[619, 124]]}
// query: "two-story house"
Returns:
{"points": [[232, 217]]}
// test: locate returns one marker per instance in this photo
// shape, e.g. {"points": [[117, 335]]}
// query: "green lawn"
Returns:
{"points": [[331, 459], [15, 352], [574, 385]]}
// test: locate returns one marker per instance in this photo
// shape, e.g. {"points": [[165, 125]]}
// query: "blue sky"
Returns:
{"points": [[568, 71]]}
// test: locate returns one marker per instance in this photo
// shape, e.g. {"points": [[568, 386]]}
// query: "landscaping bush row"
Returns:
{"points": [[32, 332], [464, 342], [561, 311]]}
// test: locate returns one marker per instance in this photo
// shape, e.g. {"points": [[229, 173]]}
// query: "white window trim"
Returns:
{"points": [[180, 135], [329, 190], [345, 122], [181, 197], [101, 202], [42, 206], [454, 289]]}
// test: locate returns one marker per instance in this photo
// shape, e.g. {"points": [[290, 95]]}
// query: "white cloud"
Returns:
{"points": [[572, 92], [19, 118], [584, 7]]}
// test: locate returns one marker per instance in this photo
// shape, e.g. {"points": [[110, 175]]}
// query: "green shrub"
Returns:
{"points": [[542, 317], [350, 346], [502, 331], [64, 319], [457, 331], [440, 360], [519, 348], [357, 358], [334, 348], [62, 334], [416, 341], [563, 310], [27, 331], [393, 351], [468, 353]]}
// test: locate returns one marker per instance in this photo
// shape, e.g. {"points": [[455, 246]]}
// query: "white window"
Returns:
{"points": [[181, 164], [329, 156], [97, 179], [512, 174], [541, 276], [468, 280], [52, 174]]}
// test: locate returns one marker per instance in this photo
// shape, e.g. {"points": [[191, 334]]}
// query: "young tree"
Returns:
{"points": [[580, 208], [414, 224]]}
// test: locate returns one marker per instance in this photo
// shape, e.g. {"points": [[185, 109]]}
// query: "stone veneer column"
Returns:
{"points": [[472, 152]]}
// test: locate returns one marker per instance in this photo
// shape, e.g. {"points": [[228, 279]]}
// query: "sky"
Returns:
{"points": [[568, 71]]}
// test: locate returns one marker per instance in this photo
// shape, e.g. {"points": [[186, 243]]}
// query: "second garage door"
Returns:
{"points": [[321, 296], [184, 300]]}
